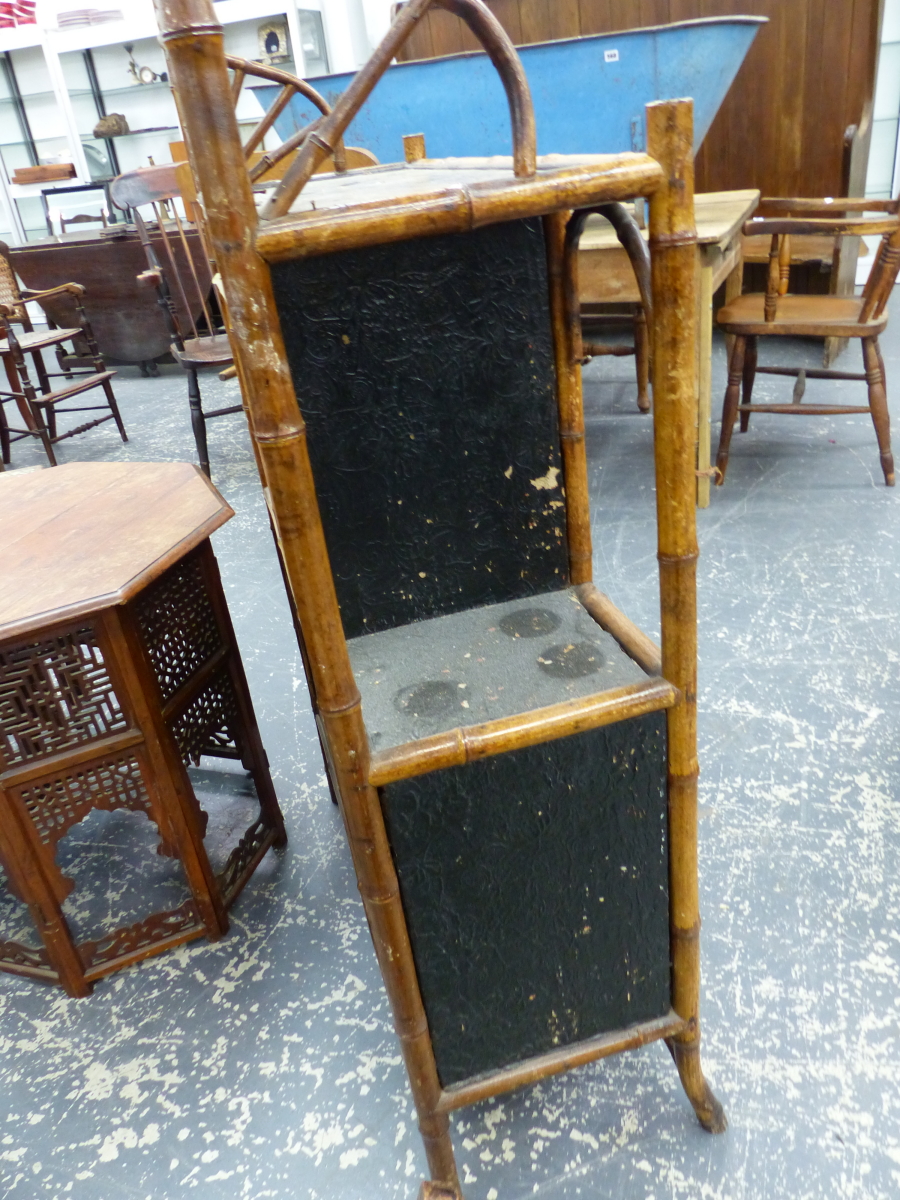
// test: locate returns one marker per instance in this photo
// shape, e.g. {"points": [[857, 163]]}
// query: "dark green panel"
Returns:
{"points": [[535, 886], [424, 371]]}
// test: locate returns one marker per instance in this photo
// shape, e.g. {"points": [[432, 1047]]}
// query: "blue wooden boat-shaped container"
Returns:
{"points": [[589, 93]]}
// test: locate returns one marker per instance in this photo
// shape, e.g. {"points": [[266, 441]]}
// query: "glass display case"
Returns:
{"points": [[99, 98], [32, 129]]}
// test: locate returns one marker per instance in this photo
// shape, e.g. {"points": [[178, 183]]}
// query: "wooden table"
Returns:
{"points": [[118, 667], [606, 277]]}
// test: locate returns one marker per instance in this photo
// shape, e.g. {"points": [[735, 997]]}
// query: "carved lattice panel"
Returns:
{"points": [[56, 805], [55, 693], [178, 925], [208, 724], [179, 625]]}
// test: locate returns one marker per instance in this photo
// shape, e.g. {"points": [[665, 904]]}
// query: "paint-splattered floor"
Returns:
{"points": [[266, 1065]]}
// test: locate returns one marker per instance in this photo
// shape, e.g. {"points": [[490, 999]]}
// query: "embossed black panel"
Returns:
{"points": [[424, 371], [536, 890]]}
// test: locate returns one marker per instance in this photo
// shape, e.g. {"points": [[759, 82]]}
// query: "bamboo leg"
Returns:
{"points": [[730, 406], [874, 365], [748, 377], [672, 249], [642, 358], [704, 382], [195, 56]]}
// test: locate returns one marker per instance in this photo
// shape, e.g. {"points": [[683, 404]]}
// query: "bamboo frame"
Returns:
{"points": [[243, 251]]}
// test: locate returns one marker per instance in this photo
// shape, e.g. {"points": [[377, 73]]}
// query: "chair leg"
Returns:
{"points": [[4, 437], [114, 409], [642, 358], [41, 372], [748, 378], [198, 421], [874, 366], [730, 406]]}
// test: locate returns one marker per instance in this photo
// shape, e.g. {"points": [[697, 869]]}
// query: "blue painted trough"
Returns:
{"points": [[589, 93]]}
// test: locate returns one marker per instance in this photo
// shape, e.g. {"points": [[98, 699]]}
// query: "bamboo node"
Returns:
{"points": [[692, 934], [677, 560], [711, 473]]}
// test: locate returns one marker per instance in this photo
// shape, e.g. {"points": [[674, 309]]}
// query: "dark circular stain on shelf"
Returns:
{"points": [[529, 622], [432, 698], [571, 660]]}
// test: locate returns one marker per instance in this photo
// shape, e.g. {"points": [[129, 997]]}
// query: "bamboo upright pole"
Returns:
{"points": [[192, 38], [672, 251]]}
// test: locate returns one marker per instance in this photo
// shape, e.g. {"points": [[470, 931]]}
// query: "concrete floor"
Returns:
{"points": [[266, 1065]]}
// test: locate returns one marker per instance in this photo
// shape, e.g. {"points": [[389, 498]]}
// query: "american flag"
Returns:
{"points": [[17, 12]]}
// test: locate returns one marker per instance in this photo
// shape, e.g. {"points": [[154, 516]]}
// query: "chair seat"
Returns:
{"points": [[40, 341], [799, 316], [204, 352]]}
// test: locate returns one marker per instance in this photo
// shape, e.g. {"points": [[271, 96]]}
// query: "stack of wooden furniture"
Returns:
{"points": [[514, 760]]}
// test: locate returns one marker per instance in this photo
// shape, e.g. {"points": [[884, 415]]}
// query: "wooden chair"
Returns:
{"points": [[406, 342], [779, 314], [183, 284], [40, 408]]}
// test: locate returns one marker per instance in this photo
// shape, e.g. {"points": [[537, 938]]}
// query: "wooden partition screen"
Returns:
{"points": [[808, 76]]}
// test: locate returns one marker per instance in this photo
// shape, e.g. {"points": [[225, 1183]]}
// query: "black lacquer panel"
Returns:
{"points": [[535, 886], [424, 372]]}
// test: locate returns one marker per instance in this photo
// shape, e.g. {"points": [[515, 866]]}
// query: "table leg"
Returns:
{"points": [[704, 389]]}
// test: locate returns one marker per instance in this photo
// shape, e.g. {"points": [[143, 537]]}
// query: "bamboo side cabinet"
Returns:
{"points": [[515, 762], [118, 668]]}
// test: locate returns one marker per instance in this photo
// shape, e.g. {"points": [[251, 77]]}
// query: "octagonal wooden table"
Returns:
{"points": [[118, 668]]}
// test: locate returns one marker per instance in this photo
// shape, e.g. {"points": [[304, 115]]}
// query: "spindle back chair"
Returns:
{"points": [[777, 313], [183, 282]]}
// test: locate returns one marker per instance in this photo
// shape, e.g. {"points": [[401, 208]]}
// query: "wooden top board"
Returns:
{"points": [[452, 195], [718, 215], [85, 536]]}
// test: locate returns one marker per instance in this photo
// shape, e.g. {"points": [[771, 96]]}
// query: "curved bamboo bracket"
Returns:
{"points": [[631, 240], [321, 141]]}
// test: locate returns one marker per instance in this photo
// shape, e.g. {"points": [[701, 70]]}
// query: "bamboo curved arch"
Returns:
{"points": [[484, 25], [632, 242], [291, 85]]}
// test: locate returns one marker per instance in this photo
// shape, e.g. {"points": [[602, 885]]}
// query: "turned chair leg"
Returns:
{"points": [[748, 378], [114, 409], [642, 358], [874, 366], [730, 406], [4, 436], [198, 421]]}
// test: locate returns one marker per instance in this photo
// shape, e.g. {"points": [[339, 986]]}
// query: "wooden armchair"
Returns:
{"points": [[39, 406], [779, 314]]}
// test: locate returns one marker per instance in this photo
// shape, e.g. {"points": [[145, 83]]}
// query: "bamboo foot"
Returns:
{"points": [[709, 1111], [432, 1190]]}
